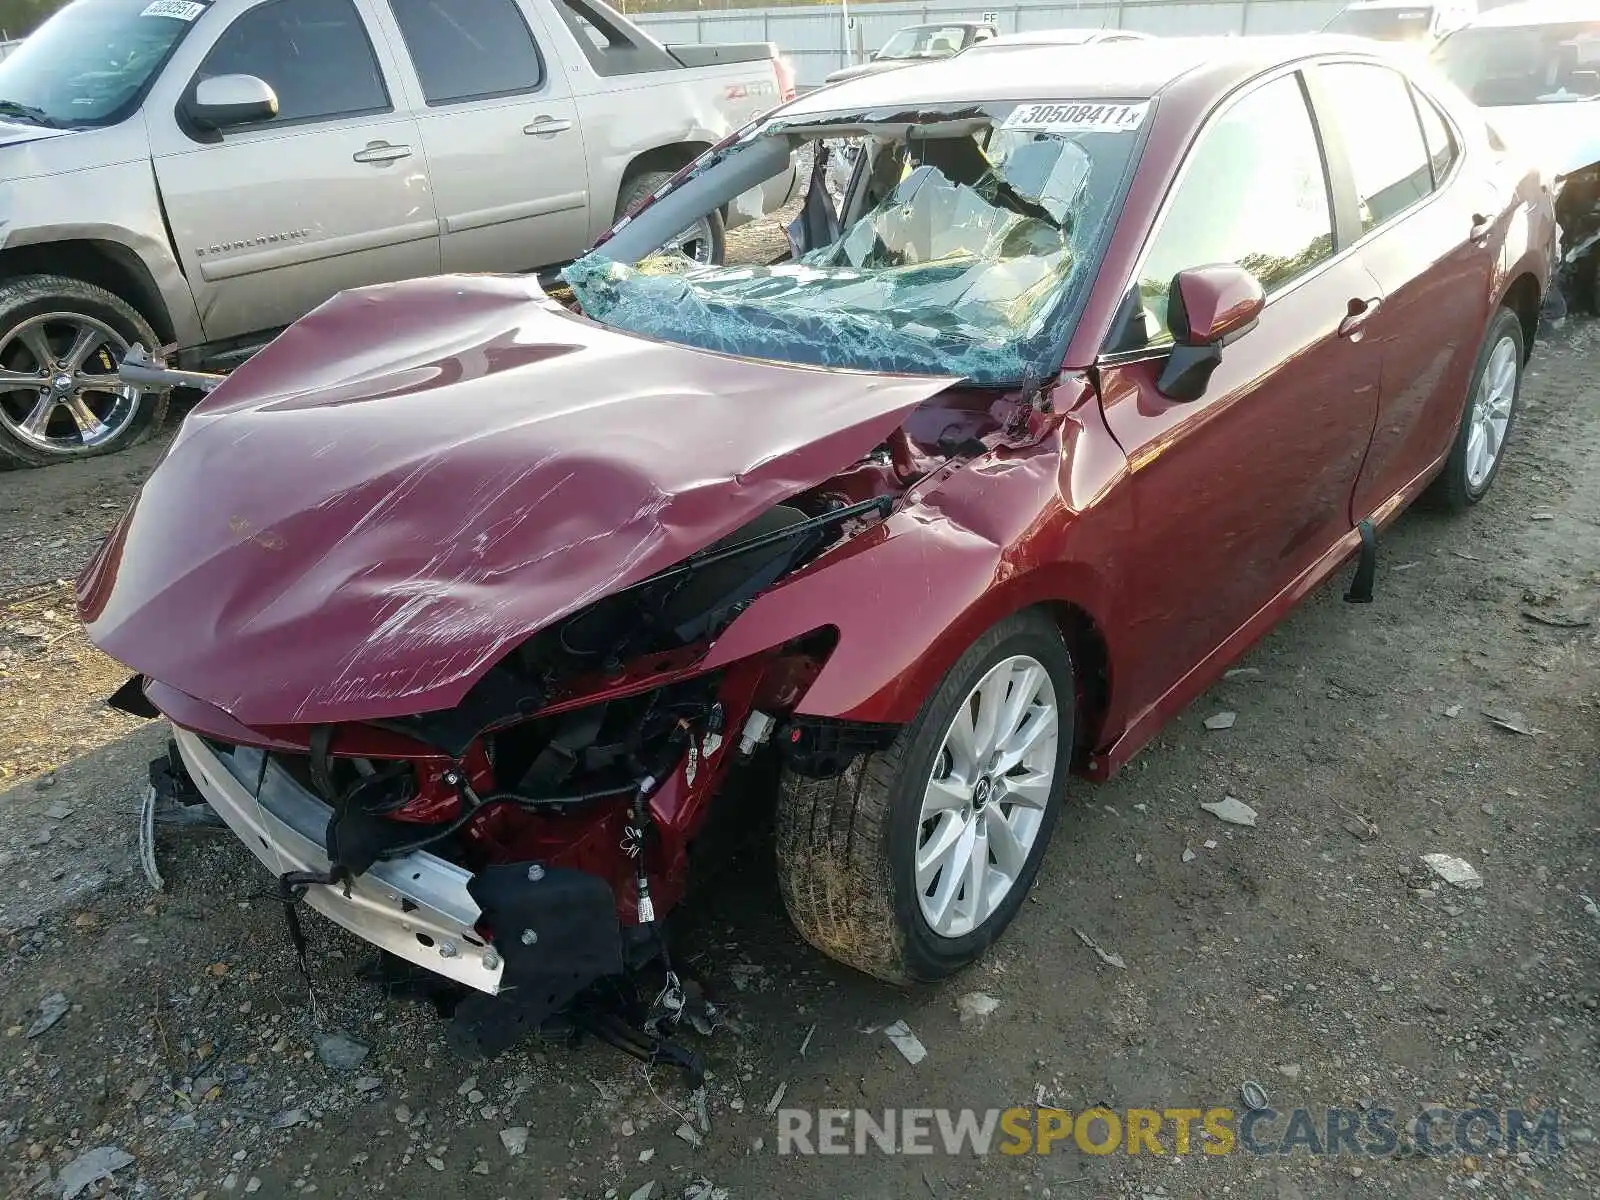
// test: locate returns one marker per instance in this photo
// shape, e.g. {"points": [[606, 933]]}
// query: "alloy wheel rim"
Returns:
{"points": [[55, 394], [694, 243], [985, 799], [1491, 412]]}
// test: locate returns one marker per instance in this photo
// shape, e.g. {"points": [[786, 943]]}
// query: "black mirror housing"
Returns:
{"points": [[1187, 371]]}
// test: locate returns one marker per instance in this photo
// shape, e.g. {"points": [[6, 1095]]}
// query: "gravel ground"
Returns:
{"points": [[1307, 953]]}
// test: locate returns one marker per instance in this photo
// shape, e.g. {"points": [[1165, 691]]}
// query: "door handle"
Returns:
{"points": [[547, 126], [381, 152], [1357, 313], [1482, 227]]}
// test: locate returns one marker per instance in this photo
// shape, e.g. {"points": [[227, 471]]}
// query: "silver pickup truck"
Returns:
{"points": [[203, 173]]}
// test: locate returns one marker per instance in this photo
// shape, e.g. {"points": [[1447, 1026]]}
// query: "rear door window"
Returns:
{"points": [[469, 49], [1436, 134], [1382, 138], [1254, 191]]}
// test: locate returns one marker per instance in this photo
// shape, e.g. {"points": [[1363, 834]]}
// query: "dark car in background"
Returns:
{"points": [[1419, 24]]}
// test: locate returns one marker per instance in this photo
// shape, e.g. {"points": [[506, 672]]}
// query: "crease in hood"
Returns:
{"points": [[415, 478]]}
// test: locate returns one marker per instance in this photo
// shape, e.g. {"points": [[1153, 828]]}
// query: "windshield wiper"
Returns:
{"points": [[38, 116]]}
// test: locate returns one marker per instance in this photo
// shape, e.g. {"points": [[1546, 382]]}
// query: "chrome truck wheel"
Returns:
{"points": [[704, 242], [61, 342]]}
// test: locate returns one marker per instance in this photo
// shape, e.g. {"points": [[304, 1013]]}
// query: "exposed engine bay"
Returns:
{"points": [[1578, 216]]}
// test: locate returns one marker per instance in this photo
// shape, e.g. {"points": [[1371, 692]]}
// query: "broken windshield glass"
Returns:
{"points": [[957, 254]]}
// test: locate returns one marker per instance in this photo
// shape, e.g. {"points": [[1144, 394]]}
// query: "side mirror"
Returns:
{"points": [[228, 100], [1207, 308]]}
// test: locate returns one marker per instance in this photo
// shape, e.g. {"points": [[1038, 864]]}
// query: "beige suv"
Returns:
{"points": [[202, 174]]}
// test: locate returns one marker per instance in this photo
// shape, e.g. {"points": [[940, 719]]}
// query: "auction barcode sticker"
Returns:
{"points": [[182, 10], [1078, 117]]}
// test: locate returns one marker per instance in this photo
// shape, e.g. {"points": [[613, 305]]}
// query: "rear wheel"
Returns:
{"points": [[702, 243], [61, 342], [1486, 420], [909, 864]]}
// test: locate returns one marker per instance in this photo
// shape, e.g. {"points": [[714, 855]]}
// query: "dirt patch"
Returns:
{"points": [[52, 682], [1312, 954]]}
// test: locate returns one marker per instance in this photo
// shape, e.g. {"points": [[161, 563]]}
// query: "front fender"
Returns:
{"points": [[113, 205], [909, 596]]}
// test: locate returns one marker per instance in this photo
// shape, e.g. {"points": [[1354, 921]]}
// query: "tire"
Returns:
{"points": [[101, 420], [1464, 480], [712, 233], [846, 846]]}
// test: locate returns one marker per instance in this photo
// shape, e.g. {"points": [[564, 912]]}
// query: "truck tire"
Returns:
{"points": [[704, 241], [913, 860], [61, 341]]}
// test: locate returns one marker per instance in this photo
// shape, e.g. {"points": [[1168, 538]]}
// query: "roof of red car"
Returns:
{"points": [[1116, 70]]}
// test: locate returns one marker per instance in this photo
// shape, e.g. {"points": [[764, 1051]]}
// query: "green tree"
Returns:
{"points": [[18, 18]]}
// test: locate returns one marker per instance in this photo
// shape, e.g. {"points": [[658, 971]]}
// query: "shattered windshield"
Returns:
{"points": [[924, 41], [1530, 64], [957, 247]]}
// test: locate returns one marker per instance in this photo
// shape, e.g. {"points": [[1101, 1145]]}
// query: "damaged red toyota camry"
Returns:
{"points": [[466, 597]]}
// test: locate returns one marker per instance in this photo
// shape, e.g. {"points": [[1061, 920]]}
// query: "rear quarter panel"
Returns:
{"points": [[1527, 242], [625, 116]]}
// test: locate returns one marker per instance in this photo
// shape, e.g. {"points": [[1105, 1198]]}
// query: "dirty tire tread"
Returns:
{"points": [[636, 189], [838, 899], [835, 866], [1449, 491], [64, 293]]}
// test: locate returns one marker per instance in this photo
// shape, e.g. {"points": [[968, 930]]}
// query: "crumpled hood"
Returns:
{"points": [[415, 478]]}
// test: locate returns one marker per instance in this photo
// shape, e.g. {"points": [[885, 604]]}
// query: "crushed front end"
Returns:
{"points": [[1577, 208], [473, 699], [458, 601], [526, 842]]}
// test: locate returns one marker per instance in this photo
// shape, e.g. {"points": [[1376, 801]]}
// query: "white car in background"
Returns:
{"points": [[1034, 38], [1534, 69]]}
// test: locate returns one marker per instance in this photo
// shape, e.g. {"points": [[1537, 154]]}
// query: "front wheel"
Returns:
{"points": [[61, 342], [1487, 419], [913, 861]]}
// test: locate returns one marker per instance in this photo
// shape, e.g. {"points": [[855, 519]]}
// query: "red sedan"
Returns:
{"points": [[465, 599]]}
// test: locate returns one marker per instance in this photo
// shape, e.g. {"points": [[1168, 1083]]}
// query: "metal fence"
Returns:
{"points": [[816, 41], [7, 47]]}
